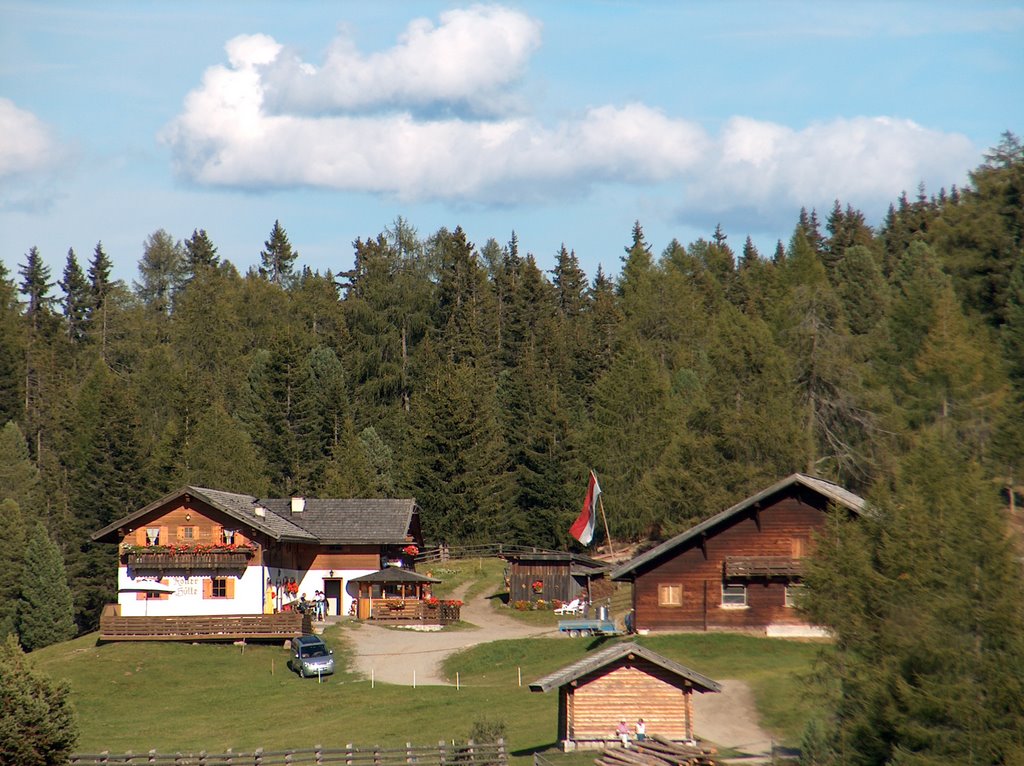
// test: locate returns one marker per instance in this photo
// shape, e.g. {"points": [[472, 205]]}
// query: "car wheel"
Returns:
{"points": [[588, 632], [574, 633]]}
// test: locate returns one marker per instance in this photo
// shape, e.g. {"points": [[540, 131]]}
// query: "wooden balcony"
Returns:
{"points": [[167, 562], [754, 567], [225, 627]]}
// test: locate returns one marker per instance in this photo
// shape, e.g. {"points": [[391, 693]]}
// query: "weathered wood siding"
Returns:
{"points": [[558, 583], [207, 526], [783, 528], [628, 690]]}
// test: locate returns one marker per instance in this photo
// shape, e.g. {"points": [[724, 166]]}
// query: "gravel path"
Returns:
{"points": [[407, 657]]}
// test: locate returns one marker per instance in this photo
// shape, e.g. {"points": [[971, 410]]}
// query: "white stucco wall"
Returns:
{"points": [[188, 596], [249, 592]]}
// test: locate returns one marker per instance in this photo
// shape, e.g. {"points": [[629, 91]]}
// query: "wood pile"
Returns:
{"points": [[657, 751]]}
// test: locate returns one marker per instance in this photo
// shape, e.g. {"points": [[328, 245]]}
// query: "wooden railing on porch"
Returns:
{"points": [[414, 610], [221, 627]]}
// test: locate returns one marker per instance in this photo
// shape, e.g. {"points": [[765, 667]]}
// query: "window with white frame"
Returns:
{"points": [[794, 592], [734, 595]]}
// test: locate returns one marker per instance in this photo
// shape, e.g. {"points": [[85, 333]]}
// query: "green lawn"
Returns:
{"points": [[184, 697]]}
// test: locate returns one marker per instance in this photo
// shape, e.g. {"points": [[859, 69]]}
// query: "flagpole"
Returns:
{"points": [[607, 534]]}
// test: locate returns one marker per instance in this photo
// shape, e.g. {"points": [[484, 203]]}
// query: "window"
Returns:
{"points": [[734, 595], [794, 592], [219, 587], [670, 595], [187, 533], [229, 536], [152, 535]]}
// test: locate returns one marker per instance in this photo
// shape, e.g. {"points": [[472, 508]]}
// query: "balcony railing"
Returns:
{"points": [[231, 627], [741, 567], [188, 561]]}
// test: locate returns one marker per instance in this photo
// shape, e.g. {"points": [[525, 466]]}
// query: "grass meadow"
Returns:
{"points": [[190, 697]]}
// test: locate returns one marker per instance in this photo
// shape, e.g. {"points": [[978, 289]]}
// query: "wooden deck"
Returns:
{"points": [[412, 610], [229, 627]]}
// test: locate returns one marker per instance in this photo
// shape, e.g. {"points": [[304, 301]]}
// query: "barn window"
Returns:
{"points": [[670, 595], [734, 595], [794, 592]]}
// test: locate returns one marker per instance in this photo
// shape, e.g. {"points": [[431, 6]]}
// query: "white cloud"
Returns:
{"points": [[28, 146], [363, 123]]}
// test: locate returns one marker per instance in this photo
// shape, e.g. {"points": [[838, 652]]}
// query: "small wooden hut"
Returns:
{"points": [[624, 681], [551, 575], [392, 592]]}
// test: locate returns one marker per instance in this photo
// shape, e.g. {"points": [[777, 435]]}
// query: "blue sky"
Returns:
{"points": [[564, 122]]}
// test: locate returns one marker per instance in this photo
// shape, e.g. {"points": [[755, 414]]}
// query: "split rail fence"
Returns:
{"points": [[441, 754]]}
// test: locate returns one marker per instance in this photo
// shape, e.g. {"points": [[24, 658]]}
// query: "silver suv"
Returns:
{"points": [[311, 657]]}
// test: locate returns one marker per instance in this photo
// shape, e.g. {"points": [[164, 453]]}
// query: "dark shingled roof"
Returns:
{"points": [[350, 521], [394, 574], [322, 521], [826, 489], [609, 654]]}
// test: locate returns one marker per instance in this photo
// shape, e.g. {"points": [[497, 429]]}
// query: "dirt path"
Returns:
{"points": [[407, 657], [377, 649]]}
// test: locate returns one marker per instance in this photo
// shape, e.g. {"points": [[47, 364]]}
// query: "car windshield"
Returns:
{"points": [[313, 651]]}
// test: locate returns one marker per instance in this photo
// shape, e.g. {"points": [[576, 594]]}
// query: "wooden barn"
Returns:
{"points": [[623, 681], [551, 575], [740, 569]]}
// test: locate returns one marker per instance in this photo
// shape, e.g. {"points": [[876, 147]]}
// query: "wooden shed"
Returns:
{"points": [[551, 575], [623, 681], [740, 569]]}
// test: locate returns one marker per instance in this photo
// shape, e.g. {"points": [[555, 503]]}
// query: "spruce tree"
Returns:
{"points": [[12, 564], [200, 253], [100, 288], [45, 606], [277, 259], [37, 722], [75, 302], [923, 595], [12, 351], [161, 271]]}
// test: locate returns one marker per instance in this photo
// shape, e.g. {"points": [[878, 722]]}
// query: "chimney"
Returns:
{"points": [[298, 504], [260, 511]]}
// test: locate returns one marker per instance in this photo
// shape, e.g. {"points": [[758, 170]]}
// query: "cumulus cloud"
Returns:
{"points": [[30, 155], [431, 118], [29, 144]]}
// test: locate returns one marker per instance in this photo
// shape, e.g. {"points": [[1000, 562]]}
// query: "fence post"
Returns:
{"points": [[502, 753], [376, 755], [152, 756], [105, 756], [318, 754], [257, 757], [348, 754], [470, 752], [202, 758], [440, 752], [408, 752], [229, 757]]}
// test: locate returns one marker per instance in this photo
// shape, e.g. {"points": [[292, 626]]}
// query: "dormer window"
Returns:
{"points": [[152, 535]]}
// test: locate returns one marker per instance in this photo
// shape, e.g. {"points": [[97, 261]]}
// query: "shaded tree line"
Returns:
{"points": [[466, 376]]}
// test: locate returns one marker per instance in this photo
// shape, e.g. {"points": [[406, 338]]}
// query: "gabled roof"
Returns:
{"points": [[322, 521], [393, 575], [609, 654], [546, 555], [827, 489]]}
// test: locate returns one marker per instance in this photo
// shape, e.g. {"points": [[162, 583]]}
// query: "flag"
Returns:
{"points": [[583, 528]]}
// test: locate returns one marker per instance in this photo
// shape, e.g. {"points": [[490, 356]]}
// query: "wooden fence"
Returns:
{"points": [[444, 553], [225, 627], [441, 754]]}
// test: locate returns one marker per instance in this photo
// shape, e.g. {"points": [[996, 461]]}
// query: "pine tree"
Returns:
{"points": [[35, 286], [200, 253], [19, 476], [923, 597], [100, 288], [45, 607], [76, 298], [12, 351], [12, 564], [277, 258], [37, 721]]}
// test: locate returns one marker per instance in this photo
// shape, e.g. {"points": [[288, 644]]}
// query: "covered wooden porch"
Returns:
{"points": [[394, 593]]}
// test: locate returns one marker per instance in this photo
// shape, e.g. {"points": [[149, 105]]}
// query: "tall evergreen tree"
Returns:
{"points": [[12, 350], [76, 298], [100, 288], [200, 253], [923, 597], [12, 564], [277, 259], [45, 608]]}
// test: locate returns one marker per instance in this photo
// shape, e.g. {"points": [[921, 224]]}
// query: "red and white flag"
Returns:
{"points": [[583, 528]]}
